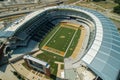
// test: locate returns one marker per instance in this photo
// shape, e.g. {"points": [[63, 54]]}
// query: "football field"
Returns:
{"points": [[61, 40]]}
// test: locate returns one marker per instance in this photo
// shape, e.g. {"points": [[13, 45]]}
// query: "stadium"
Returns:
{"points": [[83, 38]]}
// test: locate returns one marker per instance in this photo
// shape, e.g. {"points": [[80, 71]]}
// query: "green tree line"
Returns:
{"points": [[117, 8]]}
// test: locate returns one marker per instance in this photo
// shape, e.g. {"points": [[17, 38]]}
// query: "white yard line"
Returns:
{"points": [[51, 36], [70, 42]]}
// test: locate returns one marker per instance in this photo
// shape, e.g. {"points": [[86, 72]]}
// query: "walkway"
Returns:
{"points": [[59, 69], [6, 73]]}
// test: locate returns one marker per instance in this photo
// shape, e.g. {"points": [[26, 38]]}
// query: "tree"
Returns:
{"points": [[117, 1], [117, 9]]}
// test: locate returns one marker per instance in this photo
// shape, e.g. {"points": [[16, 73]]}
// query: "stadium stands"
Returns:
{"points": [[101, 54]]}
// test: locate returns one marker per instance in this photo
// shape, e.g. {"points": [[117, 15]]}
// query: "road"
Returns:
{"points": [[19, 12]]}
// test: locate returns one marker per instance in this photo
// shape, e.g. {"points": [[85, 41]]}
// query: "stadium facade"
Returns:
{"points": [[101, 51], [37, 64]]}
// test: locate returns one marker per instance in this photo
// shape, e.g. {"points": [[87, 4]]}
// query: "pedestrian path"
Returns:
{"points": [[59, 69]]}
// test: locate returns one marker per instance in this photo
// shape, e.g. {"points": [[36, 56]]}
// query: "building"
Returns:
{"points": [[37, 64]]}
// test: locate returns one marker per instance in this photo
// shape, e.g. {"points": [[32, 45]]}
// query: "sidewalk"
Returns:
{"points": [[59, 69], [6, 72]]}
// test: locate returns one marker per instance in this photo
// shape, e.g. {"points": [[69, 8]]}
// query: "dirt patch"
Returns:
{"points": [[49, 49]]}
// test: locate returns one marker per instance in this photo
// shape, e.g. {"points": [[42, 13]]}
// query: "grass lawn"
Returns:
{"points": [[50, 57], [62, 66]]}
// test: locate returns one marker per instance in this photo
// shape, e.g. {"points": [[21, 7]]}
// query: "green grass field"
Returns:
{"points": [[73, 44], [61, 39], [48, 36]]}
